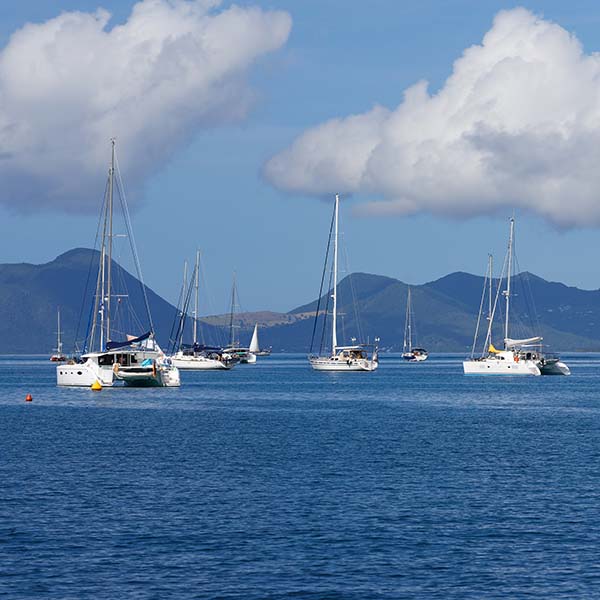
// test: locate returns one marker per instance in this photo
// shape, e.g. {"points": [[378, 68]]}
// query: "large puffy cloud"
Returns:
{"points": [[517, 124], [71, 83]]}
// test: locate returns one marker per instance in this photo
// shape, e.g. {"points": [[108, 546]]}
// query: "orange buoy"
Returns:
{"points": [[96, 386], [28, 398]]}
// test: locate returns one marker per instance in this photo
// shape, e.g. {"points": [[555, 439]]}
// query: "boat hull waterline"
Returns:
{"points": [[87, 373], [333, 364], [201, 363]]}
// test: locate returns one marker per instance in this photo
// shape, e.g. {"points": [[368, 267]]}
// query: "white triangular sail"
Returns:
{"points": [[254, 341]]}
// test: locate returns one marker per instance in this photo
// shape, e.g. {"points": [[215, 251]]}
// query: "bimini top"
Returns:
{"points": [[510, 343], [122, 344]]}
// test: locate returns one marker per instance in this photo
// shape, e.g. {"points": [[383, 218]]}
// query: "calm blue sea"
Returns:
{"points": [[274, 481]]}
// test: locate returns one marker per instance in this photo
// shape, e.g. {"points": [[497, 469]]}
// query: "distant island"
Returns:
{"points": [[372, 305]]}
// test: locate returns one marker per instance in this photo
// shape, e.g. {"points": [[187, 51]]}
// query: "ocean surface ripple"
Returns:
{"points": [[273, 481]]}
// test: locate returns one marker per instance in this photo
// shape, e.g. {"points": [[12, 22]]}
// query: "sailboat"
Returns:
{"points": [[58, 355], [136, 361], [341, 358], [254, 345], [519, 356], [244, 355], [410, 353], [197, 357]]}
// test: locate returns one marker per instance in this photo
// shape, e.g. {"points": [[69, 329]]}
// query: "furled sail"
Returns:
{"points": [[510, 343]]}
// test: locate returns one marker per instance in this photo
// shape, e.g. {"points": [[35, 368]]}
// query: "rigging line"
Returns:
{"points": [[488, 337], [215, 334], [127, 218], [413, 327], [485, 284], [175, 323], [354, 297], [99, 297], [312, 339], [529, 299], [326, 312], [87, 282], [184, 312], [522, 328], [201, 283]]}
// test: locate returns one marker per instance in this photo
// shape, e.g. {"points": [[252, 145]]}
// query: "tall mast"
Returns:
{"points": [[183, 313], [409, 316], [110, 237], [184, 293], [508, 274], [101, 287], [58, 340], [335, 268], [196, 297], [231, 325], [490, 271]]}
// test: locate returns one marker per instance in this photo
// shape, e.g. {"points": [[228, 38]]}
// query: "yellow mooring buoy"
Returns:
{"points": [[96, 386]]}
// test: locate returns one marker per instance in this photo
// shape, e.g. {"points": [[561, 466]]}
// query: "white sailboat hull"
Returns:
{"points": [[410, 357], [333, 364], [242, 354], [162, 376], [249, 359], [84, 375], [554, 367], [496, 366], [200, 363]]}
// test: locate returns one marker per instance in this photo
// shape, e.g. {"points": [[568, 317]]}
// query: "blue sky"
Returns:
{"points": [[210, 191]]}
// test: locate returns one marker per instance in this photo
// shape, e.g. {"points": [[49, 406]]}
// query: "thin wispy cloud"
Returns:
{"points": [[516, 125], [69, 84]]}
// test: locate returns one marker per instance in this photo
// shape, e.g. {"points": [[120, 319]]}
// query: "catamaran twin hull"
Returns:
{"points": [[87, 373], [492, 366], [496, 366]]}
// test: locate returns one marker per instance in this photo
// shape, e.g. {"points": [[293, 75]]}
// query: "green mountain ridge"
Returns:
{"points": [[445, 310]]}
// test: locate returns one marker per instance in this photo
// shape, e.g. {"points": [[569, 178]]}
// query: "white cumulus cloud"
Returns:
{"points": [[517, 124], [69, 84]]}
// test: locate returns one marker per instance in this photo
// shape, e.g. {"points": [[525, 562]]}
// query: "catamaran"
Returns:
{"points": [[410, 353], [519, 356], [342, 358], [197, 357], [136, 361]]}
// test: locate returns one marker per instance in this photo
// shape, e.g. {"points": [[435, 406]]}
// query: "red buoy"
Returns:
{"points": [[28, 398]]}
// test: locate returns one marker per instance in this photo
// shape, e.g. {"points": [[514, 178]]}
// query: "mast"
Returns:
{"points": [[335, 268], [231, 325], [101, 286], [110, 238], [409, 317], [196, 285], [508, 274], [58, 340], [183, 302], [490, 271]]}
